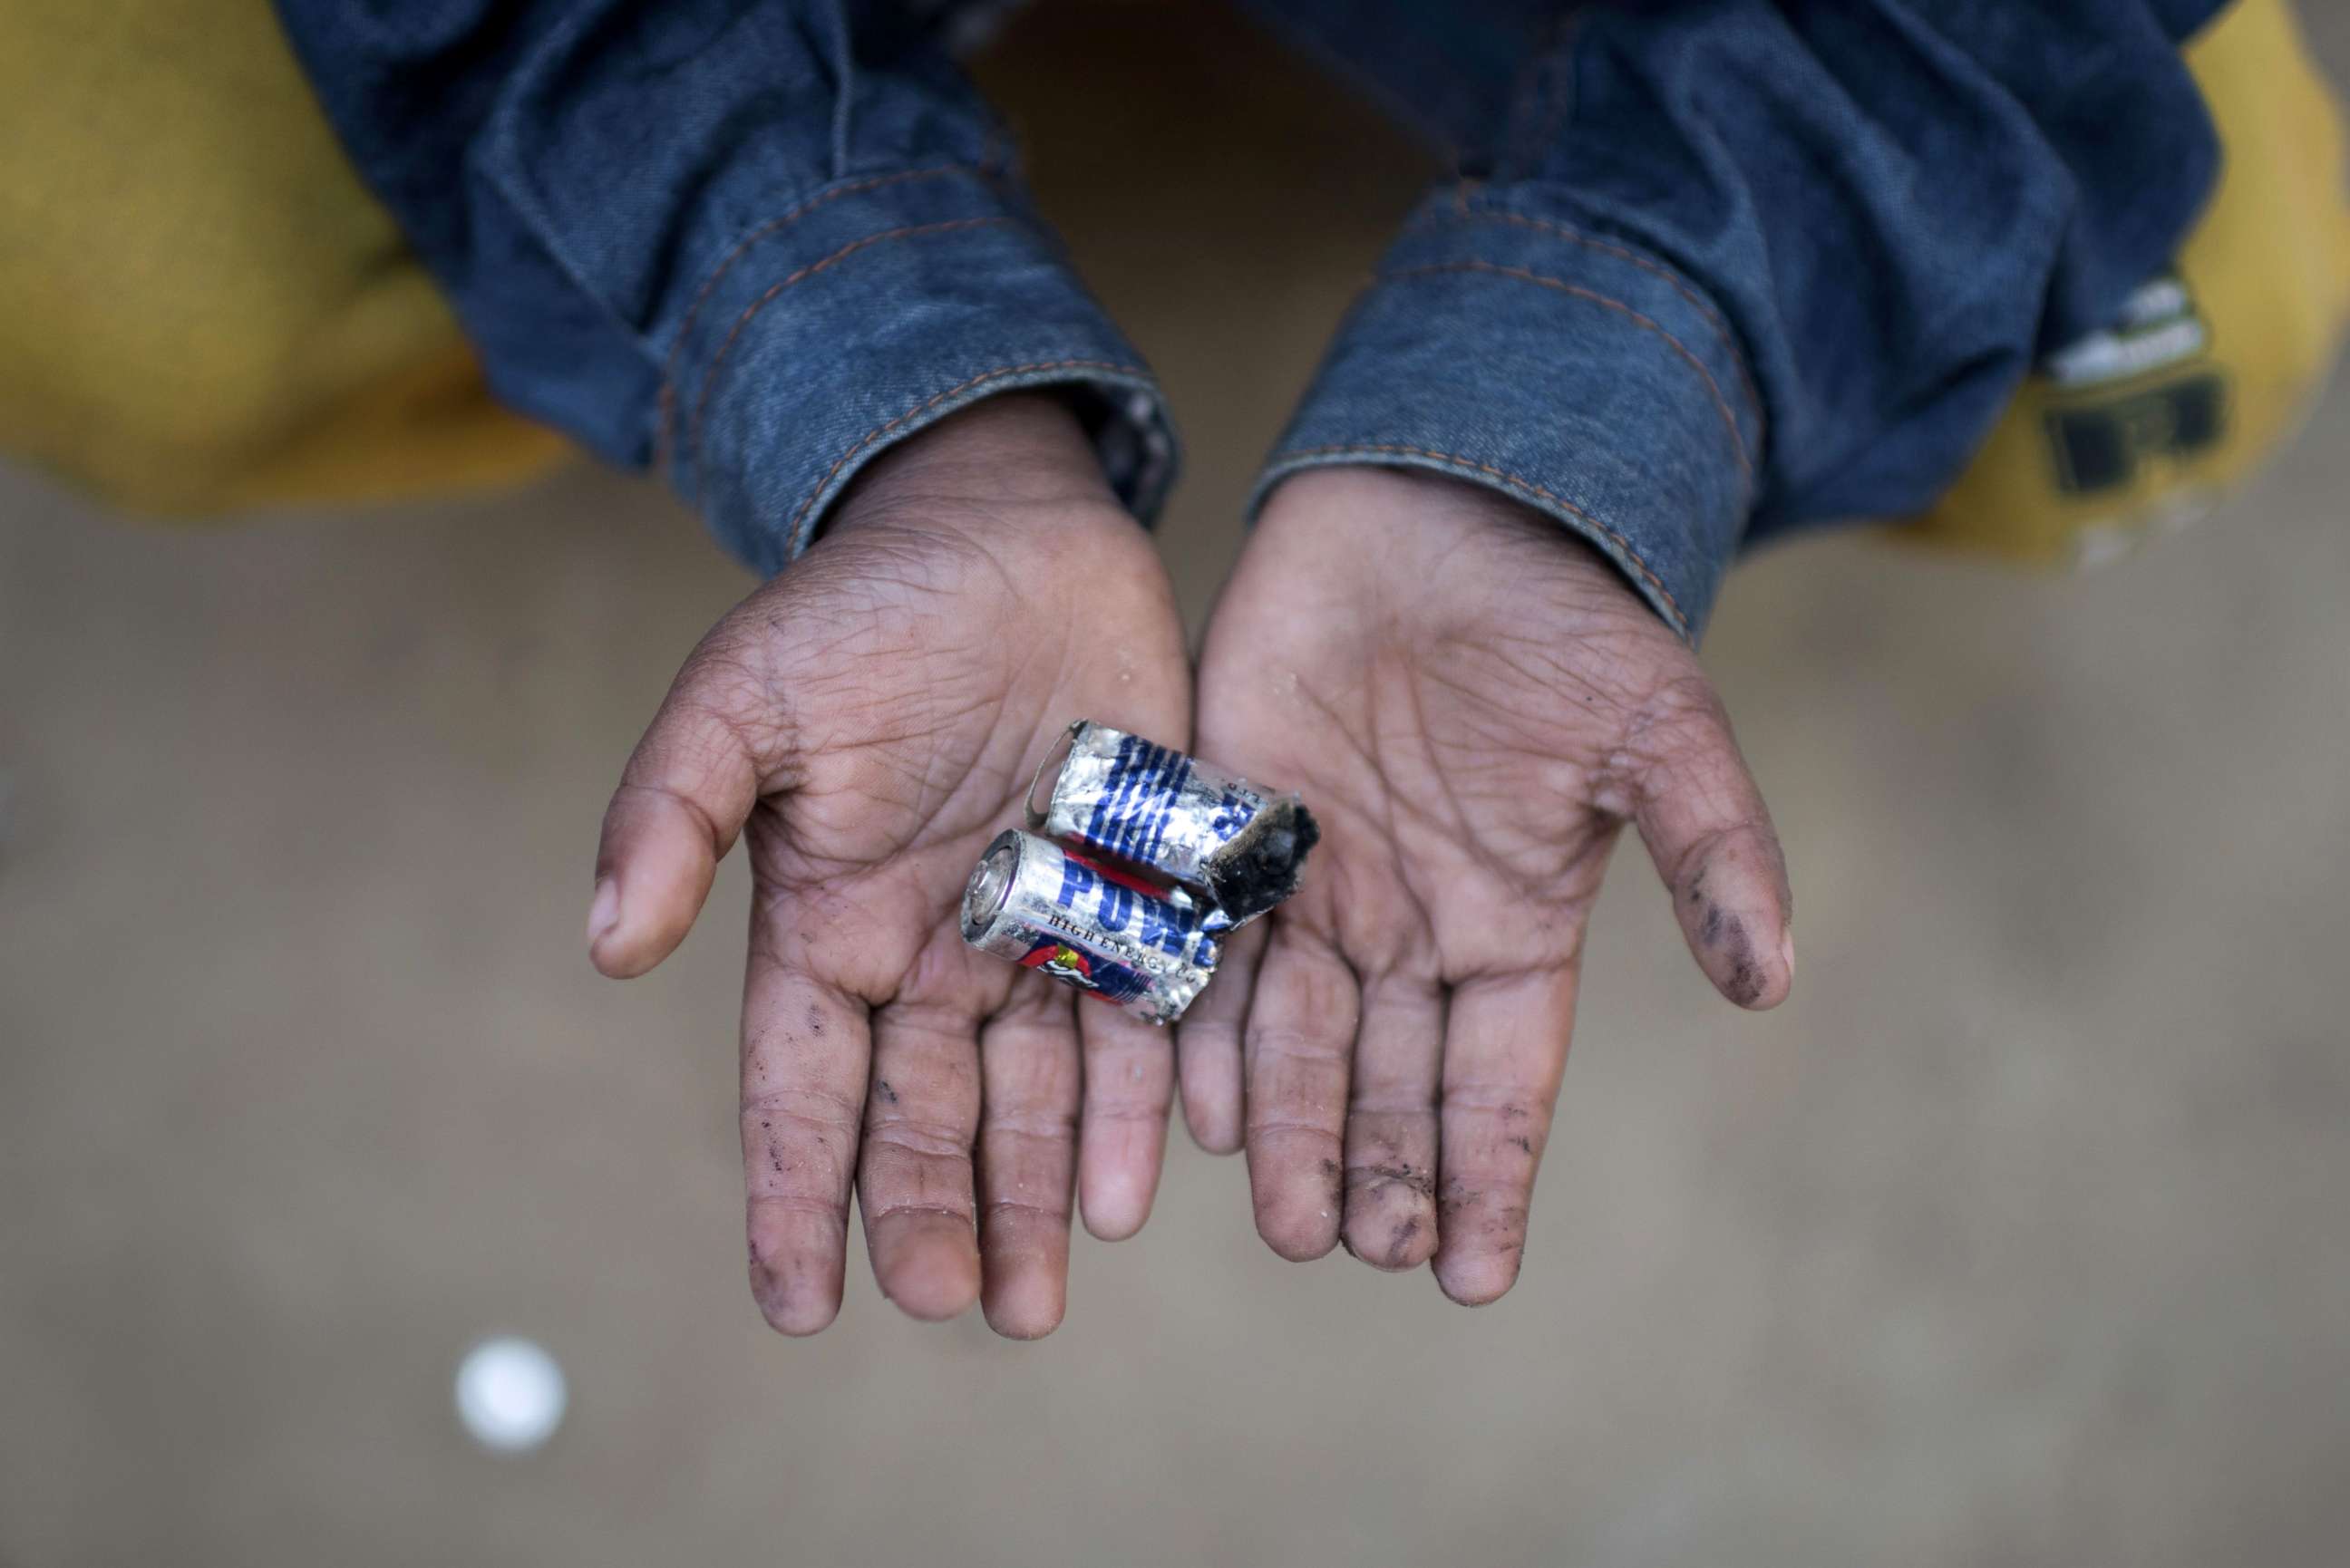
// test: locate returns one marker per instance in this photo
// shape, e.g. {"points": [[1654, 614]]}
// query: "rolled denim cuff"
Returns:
{"points": [[865, 313], [1561, 367]]}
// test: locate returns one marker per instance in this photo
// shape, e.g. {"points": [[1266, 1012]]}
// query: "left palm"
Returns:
{"points": [[1473, 702]]}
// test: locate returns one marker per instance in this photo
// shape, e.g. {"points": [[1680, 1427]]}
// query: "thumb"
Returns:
{"points": [[1702, 817], [682, 800]]}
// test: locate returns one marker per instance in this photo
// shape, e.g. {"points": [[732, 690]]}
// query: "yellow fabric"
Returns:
{"points": [[201, 307], [2268, 274]]}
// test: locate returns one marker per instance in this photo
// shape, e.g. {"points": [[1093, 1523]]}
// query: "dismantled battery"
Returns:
{"points": [[1177, 818], [1152, 858], [1092, 926]]}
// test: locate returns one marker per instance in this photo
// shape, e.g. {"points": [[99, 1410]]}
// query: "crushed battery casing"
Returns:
{"points": [[1092, 926], [1176, 817]]}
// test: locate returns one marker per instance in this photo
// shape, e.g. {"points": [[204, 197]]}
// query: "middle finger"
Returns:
{"points": [[914, 1172], [1299, 1045], [1027, 1157]]}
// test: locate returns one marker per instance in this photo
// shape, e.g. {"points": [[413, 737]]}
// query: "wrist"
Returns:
{"points": [[1406, 517], [1376, 534], [1581, 378], [1020, 450]]}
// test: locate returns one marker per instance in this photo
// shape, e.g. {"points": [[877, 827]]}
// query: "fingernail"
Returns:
{"points": [[605, 912], [1787, 952]]}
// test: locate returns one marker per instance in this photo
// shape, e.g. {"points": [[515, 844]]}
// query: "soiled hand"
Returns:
{"points": [[1473, 703], [869, 720]]}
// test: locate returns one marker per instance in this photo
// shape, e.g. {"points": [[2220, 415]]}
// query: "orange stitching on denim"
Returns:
{"points": [[1721, 403], [1454, 458], [878, 431], [1697, 301], [718, 360], [667, 431]]}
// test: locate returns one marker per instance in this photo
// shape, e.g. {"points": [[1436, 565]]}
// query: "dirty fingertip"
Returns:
{"points": [[1298, 1214], [792, 1311], [797, 1295], [1733, 914], [1390, 1225]]}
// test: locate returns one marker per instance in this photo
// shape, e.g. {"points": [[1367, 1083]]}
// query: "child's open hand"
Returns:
{"points": [[1473, 702], [873, 716]]}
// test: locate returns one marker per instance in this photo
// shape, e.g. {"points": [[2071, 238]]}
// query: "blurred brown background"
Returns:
{"points": [[2018, 1237]]}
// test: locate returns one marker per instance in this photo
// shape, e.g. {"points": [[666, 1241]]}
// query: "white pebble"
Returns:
{"points": [[510, 1394]]}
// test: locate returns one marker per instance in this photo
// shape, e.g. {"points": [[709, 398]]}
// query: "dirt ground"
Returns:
{"points": [[2017, 1237]]}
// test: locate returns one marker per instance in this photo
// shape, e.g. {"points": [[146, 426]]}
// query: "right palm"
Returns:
{"points": [[869, 720]]}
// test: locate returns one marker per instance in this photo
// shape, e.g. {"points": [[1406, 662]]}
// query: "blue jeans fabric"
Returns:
{"points": [[1713, 269]]}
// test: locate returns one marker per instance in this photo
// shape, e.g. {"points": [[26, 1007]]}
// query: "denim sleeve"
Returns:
{"points": [[752, 244], [1736, 266]]}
